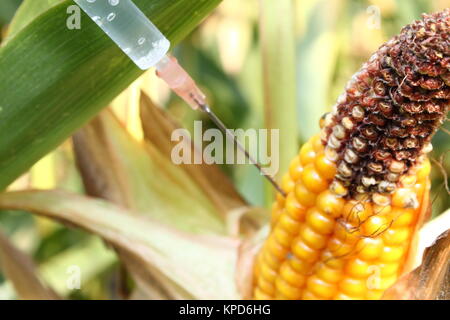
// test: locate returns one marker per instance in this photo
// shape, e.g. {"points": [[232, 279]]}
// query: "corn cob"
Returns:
{"points": [[357, 192]]}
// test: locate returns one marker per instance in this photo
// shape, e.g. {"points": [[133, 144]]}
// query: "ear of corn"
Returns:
{"points": [[358, 191], [323, 246]]}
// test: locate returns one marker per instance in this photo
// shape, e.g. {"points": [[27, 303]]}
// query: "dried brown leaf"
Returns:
{"points": [[246, 261], [158, 127], [202, 264], [431, 280], [21, 271], [137, 176]]}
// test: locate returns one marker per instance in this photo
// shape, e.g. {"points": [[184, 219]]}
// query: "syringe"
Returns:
{"points": [[147, 47]]}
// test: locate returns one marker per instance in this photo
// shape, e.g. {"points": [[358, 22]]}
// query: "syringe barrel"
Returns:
{"points": [[129, 28]]}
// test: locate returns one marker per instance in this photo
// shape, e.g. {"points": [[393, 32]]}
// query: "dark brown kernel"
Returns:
{"points": [[402, 155], [381, 155], [398, 132], [350, 156], [379, 88], [369, 132], [348, 123], [359, 144], [375, 167], [344, 170], [392, 107], [339, 131], [358, 112], [391, 143], [385, 108], [376, 120], [410, 143], [408, 122]]}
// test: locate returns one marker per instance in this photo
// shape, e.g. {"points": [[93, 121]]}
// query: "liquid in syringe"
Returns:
{"points": [[129, 28]]}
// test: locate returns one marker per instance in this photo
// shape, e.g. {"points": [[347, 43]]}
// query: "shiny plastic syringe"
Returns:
{"points": [[147, 47]]}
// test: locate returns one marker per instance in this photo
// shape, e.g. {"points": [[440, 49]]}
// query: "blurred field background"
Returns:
{"points": [[331, 39]]}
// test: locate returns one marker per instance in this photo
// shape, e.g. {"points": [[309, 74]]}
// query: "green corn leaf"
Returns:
{"points": [[27, 12], [53, 80], [278, 55], [317, 54]]}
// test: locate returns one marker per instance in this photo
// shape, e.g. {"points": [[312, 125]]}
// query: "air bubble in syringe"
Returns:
{"points": [[129, 28]]}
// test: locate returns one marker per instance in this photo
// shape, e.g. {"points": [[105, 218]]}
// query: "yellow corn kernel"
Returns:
{"points": [[305, 197], [317, 144], [288, 223], [312, 238], [357, 212], [402, 217], [388, 269], [291, 276], [283, 237], [375, 225], [357, 268], [404, 198], [307, 154], [288, 290], [261, 295], [340, 248], [280, 199], [321, 288], [287, 184], [330, 203], [276, 211], [369, 248], [267, 272], [347, 233], [395, 236], [295, 210], [343, 296], [381, 210], [271, 260], [312, 180], [328, 274], [386, 282], [332, 260], [275, 248], [353, 287], [319, 221], [295, 169], [266, 286], [308, 295], [374, 294], [392, 253], [300, 266], [423, 171], [303, 251], [325, 167]]}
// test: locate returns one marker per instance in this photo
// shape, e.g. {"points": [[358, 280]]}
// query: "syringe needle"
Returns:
{"points": [[169, 70], [141, 40], [205, 108]]}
